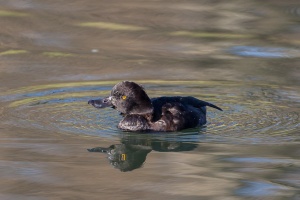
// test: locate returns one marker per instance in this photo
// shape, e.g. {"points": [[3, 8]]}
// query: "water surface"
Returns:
{"points": [[243, 57]]}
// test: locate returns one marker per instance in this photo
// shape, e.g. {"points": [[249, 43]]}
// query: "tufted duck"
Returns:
{"points": [[157, 114]]}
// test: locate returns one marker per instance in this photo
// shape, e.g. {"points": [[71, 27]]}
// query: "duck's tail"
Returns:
{"points": [[213, 106], [199, 103]]}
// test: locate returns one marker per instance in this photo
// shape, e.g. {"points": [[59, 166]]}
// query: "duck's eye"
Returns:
{"points": [[124, 97]]}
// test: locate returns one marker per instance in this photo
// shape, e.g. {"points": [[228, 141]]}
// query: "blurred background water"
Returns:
{"points": [[242, 56]]}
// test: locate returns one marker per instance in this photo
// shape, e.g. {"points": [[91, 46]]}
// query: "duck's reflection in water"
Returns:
{"points": [[131, 153]]}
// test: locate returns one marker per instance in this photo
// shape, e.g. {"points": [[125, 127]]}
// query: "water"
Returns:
{"points": [[252, 113], [243, 57]]}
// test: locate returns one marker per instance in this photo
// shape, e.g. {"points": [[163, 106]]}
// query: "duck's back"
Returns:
{"points": [[180, 112]]}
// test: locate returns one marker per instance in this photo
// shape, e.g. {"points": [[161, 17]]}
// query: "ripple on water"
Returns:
{"points": [[252, 113]]}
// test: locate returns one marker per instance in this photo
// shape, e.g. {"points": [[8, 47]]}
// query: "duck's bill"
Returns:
{"points": [[101, 103]]}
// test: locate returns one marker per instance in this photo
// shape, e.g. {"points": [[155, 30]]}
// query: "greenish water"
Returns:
{"points": [[241, 56]]}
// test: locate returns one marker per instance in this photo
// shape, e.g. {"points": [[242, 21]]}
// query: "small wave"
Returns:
{"points": [[252, 113]]}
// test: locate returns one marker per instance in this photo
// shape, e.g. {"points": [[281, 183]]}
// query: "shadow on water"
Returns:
{"points": [[133, 149]]}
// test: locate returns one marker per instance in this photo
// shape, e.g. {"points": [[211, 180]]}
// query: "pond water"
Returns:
{"points": [[241, 56]]}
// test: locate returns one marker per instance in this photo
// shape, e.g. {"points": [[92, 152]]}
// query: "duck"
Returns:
{"points": [[161, 114]]}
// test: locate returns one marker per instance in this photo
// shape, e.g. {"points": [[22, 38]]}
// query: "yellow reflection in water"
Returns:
{"points": [[57, 54], [13, 52], [113, 26], [7, 13], [158, 82], [37, 100], [58, 85]]}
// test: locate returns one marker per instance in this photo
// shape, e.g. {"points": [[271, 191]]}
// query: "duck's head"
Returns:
{"points": [[127, 97]]}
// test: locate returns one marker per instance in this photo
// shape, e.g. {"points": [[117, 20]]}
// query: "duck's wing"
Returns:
{"points": [[192, 101], [199, 103]]}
